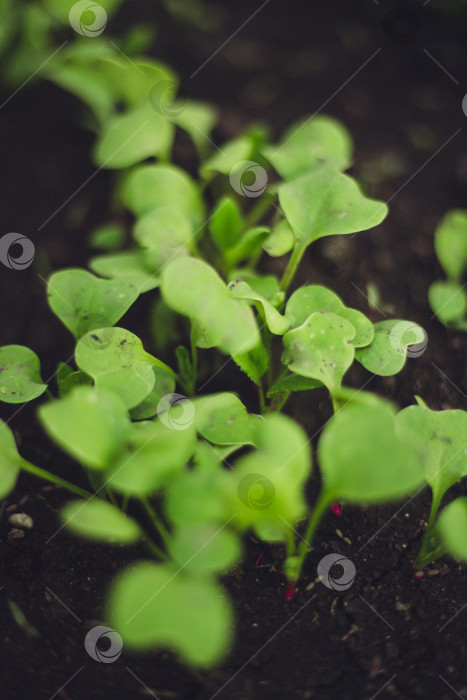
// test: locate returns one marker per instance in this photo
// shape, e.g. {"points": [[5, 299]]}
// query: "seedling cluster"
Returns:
{"points": [[190, 475]]}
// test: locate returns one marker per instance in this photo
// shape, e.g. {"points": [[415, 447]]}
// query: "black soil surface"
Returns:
{"points": [[395, 74]]}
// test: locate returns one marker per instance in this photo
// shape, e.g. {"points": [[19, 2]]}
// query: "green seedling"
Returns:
{"points": [[187, 475], [448, 298], [441, 438]]}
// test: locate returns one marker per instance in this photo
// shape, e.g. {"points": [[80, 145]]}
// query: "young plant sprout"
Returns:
{"points": [[190, 475]]}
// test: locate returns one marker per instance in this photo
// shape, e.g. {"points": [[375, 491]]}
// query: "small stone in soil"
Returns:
{"points": [[21, 520], [15, 534]]}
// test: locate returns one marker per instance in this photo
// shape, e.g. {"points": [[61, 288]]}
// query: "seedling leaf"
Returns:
{"points": [[378, 466], [127, 266], [83, 302], [157, 606], [205, 549], [294, 382], [117, 361], [224, 321], [310, 298], [387, 352], [90, 424], [321, 348], [149, 187], [280, 241], [223, 420], [133, 136], [451, 244], [448, 300], [10, 460], [276, 323], [99, 520], [307, 144], [270, 480], [20, 378], [452, 528], [324, 202], [441, 436], [153, 453]]}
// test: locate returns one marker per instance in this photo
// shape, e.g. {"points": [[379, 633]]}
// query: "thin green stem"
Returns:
{"points": [[430, 549], [194, 360], [262, 402], [153, 548], [258, 210], [125, 501], [44, 474], [291, 268], [156, 521], [317, 513], [112, 498]]}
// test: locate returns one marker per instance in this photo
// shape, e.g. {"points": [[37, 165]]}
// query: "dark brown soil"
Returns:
{"points": [[389, 635]]}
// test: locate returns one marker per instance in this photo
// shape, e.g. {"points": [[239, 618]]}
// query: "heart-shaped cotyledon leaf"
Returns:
{"points": [[441, 437], [394, 340], [221, 320], [99, 520], [162, 606], [276, 323], [325, 202], [20, 378], [84, 302], [308, 144], [89, 423], [117, 361], [313, 297], [364, 460], [223, 420], [321, 348]]}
